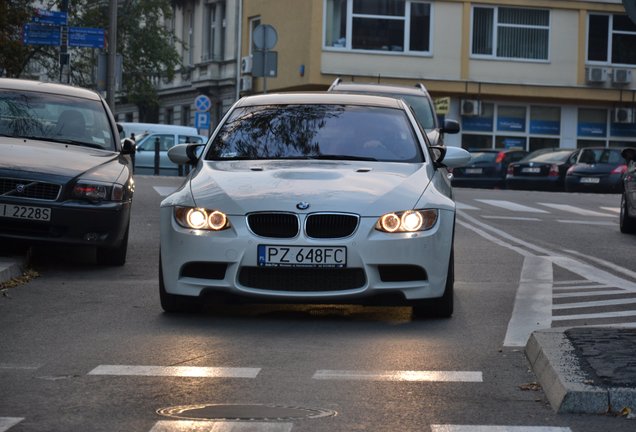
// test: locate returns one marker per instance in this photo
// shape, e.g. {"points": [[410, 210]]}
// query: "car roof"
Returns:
{"points": [[310, 98], [44, 87], [417, 90]]}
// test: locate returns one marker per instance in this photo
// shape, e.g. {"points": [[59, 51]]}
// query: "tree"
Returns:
{"points": [[15, 56]]}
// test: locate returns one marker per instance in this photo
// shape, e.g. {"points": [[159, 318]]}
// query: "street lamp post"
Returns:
{"points": [[112, 52]]}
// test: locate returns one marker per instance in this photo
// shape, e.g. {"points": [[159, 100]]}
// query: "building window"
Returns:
{"points": [[188, 38], [169, 116], [391, 25], [611, 37], [511, 33], [215, 31], [185, 115]]}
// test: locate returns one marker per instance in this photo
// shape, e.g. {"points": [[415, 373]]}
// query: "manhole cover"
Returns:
{"points": [[242, 412]]}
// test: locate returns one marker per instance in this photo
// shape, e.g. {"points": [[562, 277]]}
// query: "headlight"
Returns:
{"points": [[201, 218], [96, 192], [407, 221]]}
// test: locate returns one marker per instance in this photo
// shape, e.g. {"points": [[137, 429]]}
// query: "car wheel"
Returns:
{"points": [[627, 224], [173, 303], [440, 307], [114, 256]]}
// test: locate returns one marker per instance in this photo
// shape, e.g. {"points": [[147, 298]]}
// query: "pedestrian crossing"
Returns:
{"points": [[538, 209]]}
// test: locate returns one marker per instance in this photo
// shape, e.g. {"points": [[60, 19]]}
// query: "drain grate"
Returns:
{"points": [[244, 412]]}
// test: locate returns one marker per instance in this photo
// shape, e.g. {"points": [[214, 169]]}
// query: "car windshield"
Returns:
{"points": [[55, 118], [348, 132], [548, 157]]}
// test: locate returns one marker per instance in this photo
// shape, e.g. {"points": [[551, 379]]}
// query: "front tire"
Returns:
{"points": [[114, 256], [627, 224]]}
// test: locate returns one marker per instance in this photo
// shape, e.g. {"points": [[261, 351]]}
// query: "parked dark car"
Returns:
{"points": [[542, 169], [597, 169], [487, 168], [417, 97], [628, 199], [65, 177]]}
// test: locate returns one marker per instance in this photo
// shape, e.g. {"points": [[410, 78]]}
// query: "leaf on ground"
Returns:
{"points": [[532, 386], [26, 277]]}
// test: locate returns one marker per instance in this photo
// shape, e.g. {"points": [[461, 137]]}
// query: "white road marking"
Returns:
{"points": [[486, 428], [219, 426], [432, 376], [617, 314], [576, 210], [603, 262], [19, 367], [585, 222], [589, 293], [509, 205], [593, 304], [562, 288], [8, 422], [513, 218], [533, 303], [164, 190], [463, 206], [616, 210], [569, 282], [176, 371]]}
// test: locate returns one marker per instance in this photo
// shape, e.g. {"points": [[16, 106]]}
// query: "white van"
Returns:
{"points": [[147, 134]]}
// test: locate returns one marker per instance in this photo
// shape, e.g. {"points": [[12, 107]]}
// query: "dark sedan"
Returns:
{"points": [[541, 170], [487, 168], [597, 169], [628, 199], [65, 177]]}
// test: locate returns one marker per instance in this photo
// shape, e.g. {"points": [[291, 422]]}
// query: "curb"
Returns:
{"points": [[11, 267], [558, 370]]}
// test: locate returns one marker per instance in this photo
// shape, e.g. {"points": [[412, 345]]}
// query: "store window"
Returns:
{"points": [[391, 25], [611, 39], [511, 118], [511, 33]]}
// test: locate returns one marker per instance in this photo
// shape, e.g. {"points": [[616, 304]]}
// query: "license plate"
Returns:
{"points": [[302, 256], [590, 180], [25, 212], [532, 170], [474, 170]]}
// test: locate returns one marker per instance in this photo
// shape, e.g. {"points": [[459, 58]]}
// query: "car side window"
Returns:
{"points": [[185, 139]]}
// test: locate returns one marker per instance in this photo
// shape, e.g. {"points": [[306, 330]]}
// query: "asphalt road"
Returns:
{"points": [[86, 348]]}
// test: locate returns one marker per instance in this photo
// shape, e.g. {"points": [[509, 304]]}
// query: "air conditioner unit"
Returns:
{"points": [[246, 83], [470, 107], [622, 76], [246, 64], [595, 74], [623, 115]]}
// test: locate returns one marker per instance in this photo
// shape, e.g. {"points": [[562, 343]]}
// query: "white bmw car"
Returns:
{"points": [[312, 198]]}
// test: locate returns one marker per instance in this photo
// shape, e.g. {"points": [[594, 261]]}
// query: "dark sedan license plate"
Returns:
{"points": [[25, 212], [302, 256]]}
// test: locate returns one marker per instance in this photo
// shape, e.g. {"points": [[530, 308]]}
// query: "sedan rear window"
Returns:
{"points": [[348, 132]]}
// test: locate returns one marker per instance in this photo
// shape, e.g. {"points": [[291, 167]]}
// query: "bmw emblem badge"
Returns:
{"points": [[302, 205]]}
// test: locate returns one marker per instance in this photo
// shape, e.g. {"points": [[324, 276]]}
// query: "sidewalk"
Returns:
{"points": [[10, 267], [586, 369]]}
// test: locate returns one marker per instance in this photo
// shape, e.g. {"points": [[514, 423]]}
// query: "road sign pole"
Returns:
{"points": [[112, 51], [65, 57]]}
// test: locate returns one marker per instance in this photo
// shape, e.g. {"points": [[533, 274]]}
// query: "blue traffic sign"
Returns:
{"points": [[43, 16], [38, 34], [202, 120], [86, 37], [202, 103]]}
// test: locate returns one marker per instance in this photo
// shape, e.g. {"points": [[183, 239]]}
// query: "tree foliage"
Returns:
{"points": [[147, 46]]}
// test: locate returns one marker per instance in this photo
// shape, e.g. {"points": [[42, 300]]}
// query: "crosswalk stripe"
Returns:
{"points": [[463, 206], [176, 371], [433, 376], [486, 428], [219, 426], [616, 210], [617, 314], [530, 219], [570, 282], [8, 422], [586, 222], [590, 293], [580, 287], [509, 205], [576, 210], [599, 303], [164, 190]]}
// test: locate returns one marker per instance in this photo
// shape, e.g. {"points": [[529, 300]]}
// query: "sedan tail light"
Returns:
{"points": [[500, 157], [511, 170], [554, 171], [621, 169]]}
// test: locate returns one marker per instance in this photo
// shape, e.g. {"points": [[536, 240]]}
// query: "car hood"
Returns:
{"points": [[57, 161], [239, 187]]}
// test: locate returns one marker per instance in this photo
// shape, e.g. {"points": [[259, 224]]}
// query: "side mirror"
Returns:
{"points": [[450, 126], [450, 157], [629, 154], [182, 154], [128, 146]]}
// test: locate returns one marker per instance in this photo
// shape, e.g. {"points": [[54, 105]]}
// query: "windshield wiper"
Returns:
{"points": [[75, 143]]}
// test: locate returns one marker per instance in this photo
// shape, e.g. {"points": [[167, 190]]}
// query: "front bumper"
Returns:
{"points": [[406, 266]]}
